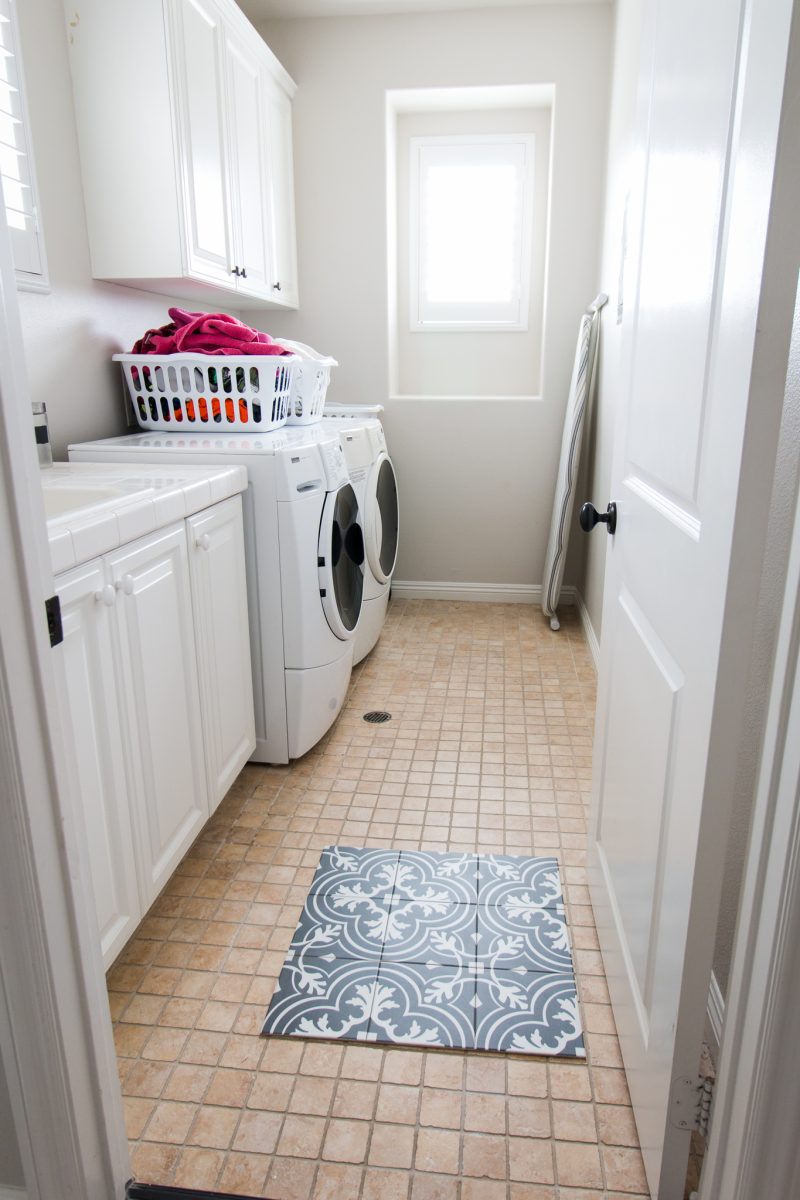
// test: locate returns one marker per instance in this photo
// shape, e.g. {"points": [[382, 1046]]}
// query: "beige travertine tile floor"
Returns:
{"points": [[489, 748]]}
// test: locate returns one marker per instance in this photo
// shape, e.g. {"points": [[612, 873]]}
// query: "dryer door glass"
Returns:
{"points": [[384, 517], [341, 551]]}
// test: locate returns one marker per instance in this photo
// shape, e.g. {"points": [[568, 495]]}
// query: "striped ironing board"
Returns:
{"points": [[580, 392]]}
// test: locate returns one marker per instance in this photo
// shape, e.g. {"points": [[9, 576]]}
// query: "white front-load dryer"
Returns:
{"points": [[321, 544], [304, 559], [373, 477]]}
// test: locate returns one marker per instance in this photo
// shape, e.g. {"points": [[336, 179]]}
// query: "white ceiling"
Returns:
{"points": [[262, 10]]}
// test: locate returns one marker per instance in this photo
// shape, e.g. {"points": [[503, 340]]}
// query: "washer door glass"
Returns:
{"points": [[383, 517], [341, 561]]}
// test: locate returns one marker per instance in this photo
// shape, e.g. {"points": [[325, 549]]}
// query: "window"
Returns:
{"points": [[470, 228], [16, 162]]}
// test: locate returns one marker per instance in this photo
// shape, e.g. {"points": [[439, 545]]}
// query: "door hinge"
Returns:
{"points": [[690, 1104], [54, 626]]}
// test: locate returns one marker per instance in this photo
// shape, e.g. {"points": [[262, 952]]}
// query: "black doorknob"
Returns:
{"points": [[590, 517]]}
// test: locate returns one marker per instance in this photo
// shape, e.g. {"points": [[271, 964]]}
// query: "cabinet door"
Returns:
{"points": [[219, 597], [96, 752], [249, 170], [281, 197], [154, 613], [198, 54]]}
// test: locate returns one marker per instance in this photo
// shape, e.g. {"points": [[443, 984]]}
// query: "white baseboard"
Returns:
{"points": [[715, 1012], [588, 629], [492, 593]]}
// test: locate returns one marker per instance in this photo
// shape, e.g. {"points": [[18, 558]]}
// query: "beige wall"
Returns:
{"points": [[71, 333], [476, 477]]}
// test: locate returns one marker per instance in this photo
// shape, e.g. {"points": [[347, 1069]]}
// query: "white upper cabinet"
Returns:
{"points": [[250, 180], [187, 168], [281, 184], [200, 102]]}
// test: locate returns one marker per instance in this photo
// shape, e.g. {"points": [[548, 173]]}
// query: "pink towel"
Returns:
{"points": [[205, 333]]}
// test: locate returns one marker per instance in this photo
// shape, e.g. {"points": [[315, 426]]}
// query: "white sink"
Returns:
{"points": [[61, 500]]}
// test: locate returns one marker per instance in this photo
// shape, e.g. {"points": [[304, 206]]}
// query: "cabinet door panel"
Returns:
{"points": [[249, 182], [96, 754], [158, 662], [219, 596], [281, 196], [198, 54]]}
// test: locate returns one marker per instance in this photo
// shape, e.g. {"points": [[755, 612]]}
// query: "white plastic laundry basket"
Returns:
{"points": [[310, 383], [226, 393]]}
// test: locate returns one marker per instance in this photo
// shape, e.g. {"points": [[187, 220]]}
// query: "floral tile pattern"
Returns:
{"points": [[527, 1012], [324, 997], [467, 951]]}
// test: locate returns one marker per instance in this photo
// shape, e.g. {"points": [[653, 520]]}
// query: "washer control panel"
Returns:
{"points": [[335, 465]]}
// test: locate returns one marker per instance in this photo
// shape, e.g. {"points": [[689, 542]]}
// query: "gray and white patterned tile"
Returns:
{"points": [[373, 871], [429, 873], [343, 923], [423, 930], [324, 998], [388, 949], [424, 1004], [518, 933], [528, 1012], [504, 875]]}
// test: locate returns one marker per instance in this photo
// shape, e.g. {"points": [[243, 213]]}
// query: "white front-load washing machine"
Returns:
{"points": [[373, 477], [304, 553]]}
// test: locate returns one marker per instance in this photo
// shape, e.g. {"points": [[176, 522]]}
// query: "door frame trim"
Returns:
{"points": [[56, 1044], [753, 1143]]}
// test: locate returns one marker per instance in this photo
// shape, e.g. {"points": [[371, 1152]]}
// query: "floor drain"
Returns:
{"points": [[377, 718]]}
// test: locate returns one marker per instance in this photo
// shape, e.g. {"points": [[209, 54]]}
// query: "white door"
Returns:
{"points": [[249, 182], [278, 109], [165, 751], [698, 215], [95, 750], [198, 36], [219, 599]]}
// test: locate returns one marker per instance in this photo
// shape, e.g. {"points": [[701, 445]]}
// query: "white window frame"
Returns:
{"points": [[30, 242], [472, 317]]}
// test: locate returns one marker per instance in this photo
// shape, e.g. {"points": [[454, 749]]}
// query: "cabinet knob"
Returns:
{"points": [[125, 584], [203, 542], [106, 595], [276, 287]]}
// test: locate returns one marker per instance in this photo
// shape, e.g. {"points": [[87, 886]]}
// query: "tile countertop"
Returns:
{"points": [[133, 501]]}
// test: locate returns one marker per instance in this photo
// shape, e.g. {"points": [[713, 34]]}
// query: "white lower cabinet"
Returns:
{"points": [[97, 761], [216, 560], [159, 689], [159, 681]]}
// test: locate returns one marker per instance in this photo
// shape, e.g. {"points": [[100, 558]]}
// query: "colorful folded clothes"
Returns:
{"points": [[206, 333]]}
